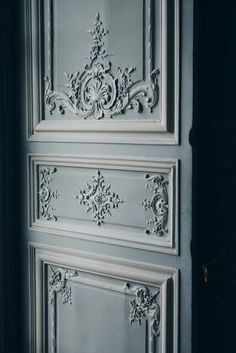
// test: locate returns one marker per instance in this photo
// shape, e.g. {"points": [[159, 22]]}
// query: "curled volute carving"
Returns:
{"points": [[98, 91], [158, 204]]}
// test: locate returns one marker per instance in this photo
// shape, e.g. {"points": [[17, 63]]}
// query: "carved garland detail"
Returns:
{"points": [[46, 194], [99, 198], [98, 92], [158, 204], [145, 306]]}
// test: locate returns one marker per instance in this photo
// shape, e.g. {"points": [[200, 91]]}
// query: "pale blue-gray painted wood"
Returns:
{"points": [[182, 152]]}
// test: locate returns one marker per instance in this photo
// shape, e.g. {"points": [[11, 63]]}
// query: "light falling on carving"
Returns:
{"points": [[158, 204], [99, 198], [99, 92]]}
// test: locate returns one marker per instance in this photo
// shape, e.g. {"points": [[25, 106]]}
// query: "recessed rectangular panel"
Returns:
{"points": [[87, 303], [72, 41], [97, 319], [103, 70], [121, 201]]}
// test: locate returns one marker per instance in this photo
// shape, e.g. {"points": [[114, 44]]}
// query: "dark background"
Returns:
{"points": [[214, 187], [214, 176]]}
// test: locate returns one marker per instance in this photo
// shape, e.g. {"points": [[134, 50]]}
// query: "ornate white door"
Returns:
{"points": [[108, 175]]}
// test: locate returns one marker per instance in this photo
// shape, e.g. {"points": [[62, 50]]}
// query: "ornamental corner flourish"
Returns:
{"points": [[98, 91], [46, 195], [158, 204], [145, 306], [58, 285], [99, 198]]}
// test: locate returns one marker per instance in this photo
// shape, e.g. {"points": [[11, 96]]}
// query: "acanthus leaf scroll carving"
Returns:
{"points": [[46, 194], [99, 198], [145, 305], [98, 91], [158, 204]]}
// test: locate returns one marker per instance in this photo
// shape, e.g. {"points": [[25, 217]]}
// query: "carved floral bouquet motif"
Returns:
{"points": [[145, 306], [98, 92]]}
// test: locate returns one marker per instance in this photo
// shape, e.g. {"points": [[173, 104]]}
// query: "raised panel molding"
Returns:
{"points": [[97, 92], [142, 212], [153, 293]]}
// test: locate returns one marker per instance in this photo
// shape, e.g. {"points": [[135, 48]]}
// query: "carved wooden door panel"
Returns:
{"points": [[108, 224]]}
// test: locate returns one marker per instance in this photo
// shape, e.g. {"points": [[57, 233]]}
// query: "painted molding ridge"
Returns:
{"points": [[99, 198], [158, 204], [143, 280], [46, 194], [159, 128], [98, 92], [99, 205]]}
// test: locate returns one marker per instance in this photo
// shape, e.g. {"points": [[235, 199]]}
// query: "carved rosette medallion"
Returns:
{"points": [[158, 205], [46, 194], [145, 306], [99, 92], [99, 198]]}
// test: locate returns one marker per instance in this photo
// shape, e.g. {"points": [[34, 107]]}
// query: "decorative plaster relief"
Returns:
{"points": [[58, 285], [99, 198], [145, 306], [46, 194], [129, 210], [98, 91], [151, 290], [158, 204]]}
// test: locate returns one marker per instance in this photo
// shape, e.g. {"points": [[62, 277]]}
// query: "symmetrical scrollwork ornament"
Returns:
{"points": [[46, 194], [98, 92], [58, 285], [99, 198], [145, 306], [158, 205]]}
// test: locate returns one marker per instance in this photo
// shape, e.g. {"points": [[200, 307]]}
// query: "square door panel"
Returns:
{"points": [[103, 70], [118, 201], [85, 303]]}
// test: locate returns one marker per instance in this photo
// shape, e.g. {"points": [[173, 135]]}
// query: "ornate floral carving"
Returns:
{"points": [[158, 204], [99, 198], [145, 306], [98, 92], [46, 194], [58, 284]]}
